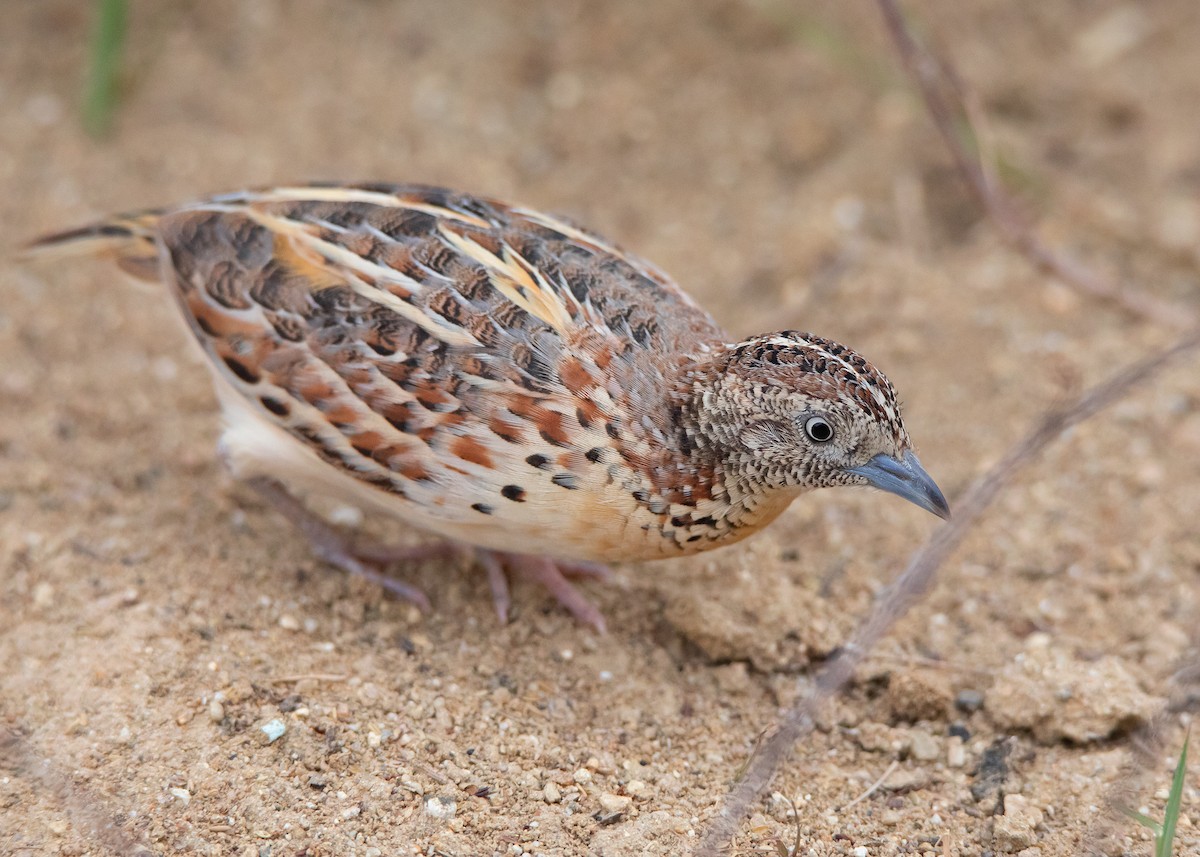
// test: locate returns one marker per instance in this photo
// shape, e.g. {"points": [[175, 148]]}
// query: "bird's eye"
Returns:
{"points": [[818, 430]]}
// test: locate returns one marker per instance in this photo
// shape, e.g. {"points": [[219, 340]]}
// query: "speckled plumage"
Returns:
{"points": [[497, 376]]}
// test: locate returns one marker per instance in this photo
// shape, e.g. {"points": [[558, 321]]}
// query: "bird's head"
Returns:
{"points": [[795, 411]]}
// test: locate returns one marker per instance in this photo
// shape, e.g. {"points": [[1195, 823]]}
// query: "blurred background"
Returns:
{"points": [[774, 158]]}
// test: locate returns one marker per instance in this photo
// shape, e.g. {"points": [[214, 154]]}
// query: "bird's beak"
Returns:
{"points": [[906, 478]]}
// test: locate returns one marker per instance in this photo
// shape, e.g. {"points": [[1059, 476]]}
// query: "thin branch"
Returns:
{"points": [[874, 787], [937, 81], [95, 819], [912, 584]]}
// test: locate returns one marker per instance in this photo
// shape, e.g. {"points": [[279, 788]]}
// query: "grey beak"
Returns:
{"points": [[905, 478]]}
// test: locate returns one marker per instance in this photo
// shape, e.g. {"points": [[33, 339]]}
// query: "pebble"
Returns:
{"points": [[610, 802], [903, 781], [1016, 829], [923, 746], [637, 789], [956, 753], [216, 711], [289, 622], [274, 730], [551, 793], [860, 851], [583, 775], [968, 700], [182, 795], [441, 808]]}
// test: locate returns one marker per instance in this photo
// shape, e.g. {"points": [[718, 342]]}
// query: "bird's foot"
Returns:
{"points": [[369, 561], [333, 547], [552, 574]]}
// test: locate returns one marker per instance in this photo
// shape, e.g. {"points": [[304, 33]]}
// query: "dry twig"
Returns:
{"points": [[933, 77], [93, 818], [911, 585], [948, 104]]}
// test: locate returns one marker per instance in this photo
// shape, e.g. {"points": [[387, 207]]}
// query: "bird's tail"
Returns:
{"points": [[130, 240]]}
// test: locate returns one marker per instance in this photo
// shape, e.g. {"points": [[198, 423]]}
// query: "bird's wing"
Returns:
{"points": [[407, 333]]}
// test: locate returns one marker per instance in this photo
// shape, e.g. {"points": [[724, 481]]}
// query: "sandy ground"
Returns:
{"points": [[154, 616]]}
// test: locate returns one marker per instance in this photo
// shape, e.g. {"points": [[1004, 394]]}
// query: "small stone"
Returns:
{"points": [[439, 807], [551, 793], [923, 746], [289, 622], [583, 775], [968, 700], [611, 803], [637, 789], [1016, 829], [956, 753], [182, 795], [216, 711], [905, 781], [860, 851], [273, 729]]}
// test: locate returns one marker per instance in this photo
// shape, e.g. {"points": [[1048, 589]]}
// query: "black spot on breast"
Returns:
{"points": [[483, 508], [280, 409], [566, 480], [594, 454], [513, 492], [204, 325], [537, 460], [612, 431], [239, 369], [641, 496]]}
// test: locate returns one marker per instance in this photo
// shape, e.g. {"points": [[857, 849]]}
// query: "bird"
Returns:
{"points": [[500, 378]]}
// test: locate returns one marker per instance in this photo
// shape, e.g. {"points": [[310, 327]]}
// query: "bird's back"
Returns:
{"points": [[469, 359]]}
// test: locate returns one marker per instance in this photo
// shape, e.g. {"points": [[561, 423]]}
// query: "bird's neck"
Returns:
{"points": [[705, 483]]}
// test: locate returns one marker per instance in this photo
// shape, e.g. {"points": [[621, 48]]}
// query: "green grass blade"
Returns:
{"points": [[1174, 804], [107, 40], [1146, 822]]}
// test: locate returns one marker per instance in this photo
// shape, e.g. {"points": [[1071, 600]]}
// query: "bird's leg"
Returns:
{"points": [[552, 574], [334, 548]]}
